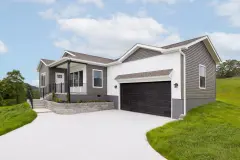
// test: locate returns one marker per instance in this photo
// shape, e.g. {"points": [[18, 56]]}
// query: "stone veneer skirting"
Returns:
{"points": [[75, 108]]}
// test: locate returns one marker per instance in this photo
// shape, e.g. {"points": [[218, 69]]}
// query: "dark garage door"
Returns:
{"points": [[150, 97]]}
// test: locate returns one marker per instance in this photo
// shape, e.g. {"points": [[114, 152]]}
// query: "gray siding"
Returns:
{"points": [[195, 55], [141, 54], [42, 70], [90, 89]]}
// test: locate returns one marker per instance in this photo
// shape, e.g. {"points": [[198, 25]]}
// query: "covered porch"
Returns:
{"points": [[66, 77]]}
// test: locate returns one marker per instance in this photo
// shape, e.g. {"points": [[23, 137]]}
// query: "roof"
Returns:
{"points": [[88, 57], [182, 43], [100, 61], [145, 74], [47, 61]]}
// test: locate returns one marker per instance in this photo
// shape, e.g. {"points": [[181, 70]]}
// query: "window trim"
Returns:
{"points": [[43, 74], [73, 72], [200, 65], [93, 78]]}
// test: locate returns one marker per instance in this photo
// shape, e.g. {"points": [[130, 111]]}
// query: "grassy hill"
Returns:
{"points": [[228, 90], [207, 132]]}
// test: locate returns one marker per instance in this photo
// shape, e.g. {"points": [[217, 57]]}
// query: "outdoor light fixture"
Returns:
{"points": [[115, 86], [176, 85]]}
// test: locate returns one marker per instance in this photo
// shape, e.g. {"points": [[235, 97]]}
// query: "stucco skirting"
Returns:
{"points": [[75, 108]]}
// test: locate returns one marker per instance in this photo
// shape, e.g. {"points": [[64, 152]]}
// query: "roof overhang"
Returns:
{"points": [[65, 59], [40, 65], [160, 75], [136, 47], [67, 52], [209, 45]]}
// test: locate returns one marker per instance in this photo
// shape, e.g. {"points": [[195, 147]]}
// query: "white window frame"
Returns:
{"points": [[43, 74], [200, 65], [93, 78]]}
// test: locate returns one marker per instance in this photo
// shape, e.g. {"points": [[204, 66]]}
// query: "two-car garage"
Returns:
{"points": [[146, 97]]}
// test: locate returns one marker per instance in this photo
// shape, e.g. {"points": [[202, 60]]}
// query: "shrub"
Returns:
{"points": [[53, 96]]}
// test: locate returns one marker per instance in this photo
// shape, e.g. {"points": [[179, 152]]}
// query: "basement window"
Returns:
{"points": [[202, 76]]}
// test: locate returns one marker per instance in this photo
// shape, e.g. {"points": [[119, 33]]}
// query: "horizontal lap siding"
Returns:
{"points": [[195, 55], [141, 54], [44, 69]]}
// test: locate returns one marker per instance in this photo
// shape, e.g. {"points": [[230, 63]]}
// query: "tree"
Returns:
{"points": [[229, 68], [13, 85]]}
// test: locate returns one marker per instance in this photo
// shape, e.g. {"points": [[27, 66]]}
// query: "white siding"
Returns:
{"points": [[161, 62]]}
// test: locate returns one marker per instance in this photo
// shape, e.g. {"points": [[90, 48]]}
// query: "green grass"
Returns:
{"points": [[13, 117], [228, 90], [208, 132]]}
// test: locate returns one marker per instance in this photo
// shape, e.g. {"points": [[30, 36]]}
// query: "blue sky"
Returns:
{"points": [[35, 29]]}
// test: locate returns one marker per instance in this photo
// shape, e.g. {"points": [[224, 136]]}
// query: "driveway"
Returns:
{"points": [[104, 135]]}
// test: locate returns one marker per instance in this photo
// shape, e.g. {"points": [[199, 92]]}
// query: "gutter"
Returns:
{"points": [[184, 82]]}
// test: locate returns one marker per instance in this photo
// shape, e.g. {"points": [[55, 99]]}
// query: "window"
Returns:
{"points": [[202, 76], [80, 78], [97, 78], [76, 79], [59, 76], [43, 78]]}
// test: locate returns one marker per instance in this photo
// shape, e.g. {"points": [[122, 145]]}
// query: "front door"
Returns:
{"points": [[60, 85]]}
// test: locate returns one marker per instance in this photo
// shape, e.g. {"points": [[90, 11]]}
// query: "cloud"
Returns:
{"points": [[227, 44], [153, 1], [111, 37], [69, 11], [38, 1], [229, 9], [98, 3], [159, 1], [3, 48]]}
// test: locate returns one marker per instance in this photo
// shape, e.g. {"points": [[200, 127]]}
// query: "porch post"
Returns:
{"points": [[68, 81]]}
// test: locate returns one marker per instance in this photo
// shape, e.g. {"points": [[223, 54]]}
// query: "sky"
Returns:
{"points": [[35, 29]]}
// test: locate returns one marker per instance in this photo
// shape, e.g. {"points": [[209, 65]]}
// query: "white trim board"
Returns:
{"points": [[200, 65], [93, 77], [145, 79], [70, 53]]}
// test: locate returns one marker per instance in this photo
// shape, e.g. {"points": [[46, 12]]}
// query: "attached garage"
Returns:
{"points": [[146, 92], [149, 97]]}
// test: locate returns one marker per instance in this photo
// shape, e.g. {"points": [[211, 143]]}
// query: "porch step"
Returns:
{"points": [[37, 103]]}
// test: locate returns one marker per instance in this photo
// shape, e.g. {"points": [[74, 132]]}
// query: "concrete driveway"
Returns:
{"points": [[105, 135]]}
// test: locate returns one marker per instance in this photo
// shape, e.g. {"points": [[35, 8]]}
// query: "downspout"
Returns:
{"points": [[184, 82]]}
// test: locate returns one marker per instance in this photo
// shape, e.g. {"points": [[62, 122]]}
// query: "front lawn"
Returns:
{"points": [[208, 132], [13, 117]]}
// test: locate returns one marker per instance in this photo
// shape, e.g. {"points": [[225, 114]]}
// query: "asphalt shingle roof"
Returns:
{"points": [[91, 58], [181, 43], [47, 61]]}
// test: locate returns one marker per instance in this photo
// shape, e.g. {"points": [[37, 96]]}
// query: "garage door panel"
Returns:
{"points": [[152, 98]]}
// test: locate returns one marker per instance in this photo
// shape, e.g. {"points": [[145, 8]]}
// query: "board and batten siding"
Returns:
{"points": [[141, 54], [196, 55]]}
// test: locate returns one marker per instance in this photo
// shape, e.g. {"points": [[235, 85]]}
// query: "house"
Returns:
{"points": [[166, 81]]}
